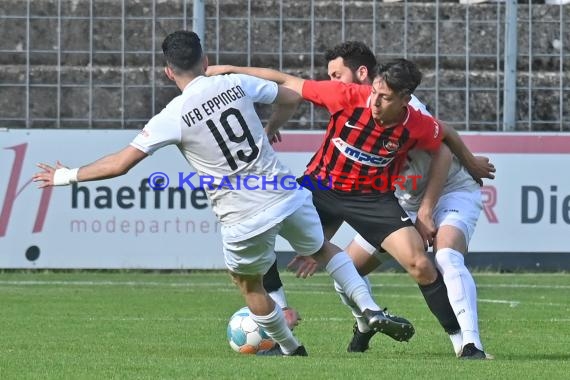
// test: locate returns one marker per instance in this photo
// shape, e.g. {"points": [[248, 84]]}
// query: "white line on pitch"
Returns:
{"points": [[508, 302]]}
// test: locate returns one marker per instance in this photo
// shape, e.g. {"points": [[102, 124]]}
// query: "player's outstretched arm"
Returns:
{"points": [[437, 176], [290, 81], [478, 166], [110, 166]]}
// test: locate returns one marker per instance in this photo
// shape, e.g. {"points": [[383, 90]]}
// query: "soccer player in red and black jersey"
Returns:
{"points": [[370, 131], [364, 146]]}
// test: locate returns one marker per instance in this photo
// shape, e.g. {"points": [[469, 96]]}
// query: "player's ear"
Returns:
{"points": [[362, 74], [205, 62], [169, 73]]}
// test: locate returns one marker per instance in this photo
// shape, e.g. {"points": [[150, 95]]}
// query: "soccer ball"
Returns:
{"points": [[245, 336]]}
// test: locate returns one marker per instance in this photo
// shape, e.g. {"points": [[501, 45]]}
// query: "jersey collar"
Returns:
{"points": [[192, 82]]}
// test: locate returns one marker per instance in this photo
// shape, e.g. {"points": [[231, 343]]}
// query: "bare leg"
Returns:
{"points": [[406, 246], [265, 312]]}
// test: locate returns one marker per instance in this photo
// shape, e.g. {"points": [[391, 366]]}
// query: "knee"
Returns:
{"points": [[247, 283], [423, 270], [448, 259]]}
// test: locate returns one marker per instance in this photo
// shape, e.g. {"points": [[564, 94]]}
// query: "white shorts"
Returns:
{"points": [[255, 255], [460, 209]]}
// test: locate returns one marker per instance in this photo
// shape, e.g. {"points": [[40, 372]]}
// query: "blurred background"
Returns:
{"points": [[78, 78], [488, 66]]}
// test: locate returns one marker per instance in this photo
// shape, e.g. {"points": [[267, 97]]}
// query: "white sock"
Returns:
{"points": [[457, 341], [462, 293], [361, 322], [275, 326], [342, 270], [278, 296]]}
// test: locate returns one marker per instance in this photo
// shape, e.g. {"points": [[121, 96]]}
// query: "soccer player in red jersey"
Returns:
{"points": [[444, 206], [369, 134]]}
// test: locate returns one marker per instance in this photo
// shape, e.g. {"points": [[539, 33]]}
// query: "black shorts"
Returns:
{"points": [[374, 216]]}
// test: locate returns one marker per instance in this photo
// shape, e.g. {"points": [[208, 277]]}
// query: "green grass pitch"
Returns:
{"points": [[133, 325]]}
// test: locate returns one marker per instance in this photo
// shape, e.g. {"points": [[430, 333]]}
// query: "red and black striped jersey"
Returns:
{"points": [[358, 154]]}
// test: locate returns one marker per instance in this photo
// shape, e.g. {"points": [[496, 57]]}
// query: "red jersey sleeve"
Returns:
{"points": [[424, 129], [334, 95]]}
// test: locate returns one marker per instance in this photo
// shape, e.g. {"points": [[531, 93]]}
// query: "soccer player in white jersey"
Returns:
{"points": [[214, 124], [445, 210]]}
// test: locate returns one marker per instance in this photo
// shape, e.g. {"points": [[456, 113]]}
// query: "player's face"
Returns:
{"points": [[387, 106], [339, 72]]}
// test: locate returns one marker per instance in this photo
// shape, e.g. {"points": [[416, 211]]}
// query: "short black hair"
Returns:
{"points": [[354, 54], [182, 50], [401, 75]]}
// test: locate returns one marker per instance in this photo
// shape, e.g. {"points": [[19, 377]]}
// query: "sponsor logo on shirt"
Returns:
{"points": [[361, 156]]}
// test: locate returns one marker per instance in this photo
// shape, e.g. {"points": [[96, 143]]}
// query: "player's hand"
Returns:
{"points": [[481, 168], [273, 136], [218, 70], [291, 317], [45, 177], [426, 228], [306, 266]]}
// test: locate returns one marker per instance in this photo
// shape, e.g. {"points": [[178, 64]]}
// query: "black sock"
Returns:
{"points": [[437, 300], [272, 280]]}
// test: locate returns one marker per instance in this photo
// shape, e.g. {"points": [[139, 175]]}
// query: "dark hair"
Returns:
{"points": [[354, 54], [401, 75], [182, 50]]}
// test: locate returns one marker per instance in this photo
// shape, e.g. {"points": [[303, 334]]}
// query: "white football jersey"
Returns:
{"points": [[416, 104], [215, 126], [418, 163]]}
